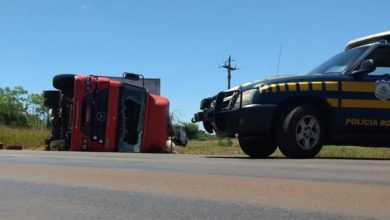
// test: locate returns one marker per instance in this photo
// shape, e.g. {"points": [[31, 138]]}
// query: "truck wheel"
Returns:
{"points": [[57, 145], [51, 98], [63, 81], [301, 132], [256, 147], [185, 142]]}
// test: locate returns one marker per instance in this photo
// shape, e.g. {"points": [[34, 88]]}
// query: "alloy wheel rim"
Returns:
{"points": [[307, 132]]}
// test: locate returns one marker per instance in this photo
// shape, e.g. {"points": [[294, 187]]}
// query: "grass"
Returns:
{"points": [[32, 139], [354, 152], [211, 147]]}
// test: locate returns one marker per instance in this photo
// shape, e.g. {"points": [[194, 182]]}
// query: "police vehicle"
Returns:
{"points": [[344, 101]]}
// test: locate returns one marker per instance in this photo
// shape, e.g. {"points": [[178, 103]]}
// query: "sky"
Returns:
{"points": [[182, 42]]}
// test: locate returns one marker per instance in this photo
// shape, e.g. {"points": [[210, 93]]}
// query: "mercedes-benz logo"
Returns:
{"points": [[101, 116]]}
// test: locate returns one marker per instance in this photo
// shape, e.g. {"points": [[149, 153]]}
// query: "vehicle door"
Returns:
{"points": [[365, 104]]}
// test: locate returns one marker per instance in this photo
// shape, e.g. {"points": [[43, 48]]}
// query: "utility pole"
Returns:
{"points": [[228, 66]]}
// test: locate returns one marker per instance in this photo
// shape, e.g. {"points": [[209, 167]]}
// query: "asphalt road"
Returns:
{"points": [[69, 185]]}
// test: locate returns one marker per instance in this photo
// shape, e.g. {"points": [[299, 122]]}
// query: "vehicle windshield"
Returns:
{"points": [[338, 63]]}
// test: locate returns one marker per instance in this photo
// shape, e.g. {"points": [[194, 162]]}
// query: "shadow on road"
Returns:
{"points": [[278, 157], [350, 158], [244, 157]]}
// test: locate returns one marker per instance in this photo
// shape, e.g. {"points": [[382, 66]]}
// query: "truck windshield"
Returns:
{"points": [[338, 63], [130, 119]]}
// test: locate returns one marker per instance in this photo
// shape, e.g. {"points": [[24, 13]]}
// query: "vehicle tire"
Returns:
{"points": [[256, 147], [51, 98], [63, 81], [301, 132], [185, 142], [57, 145]]}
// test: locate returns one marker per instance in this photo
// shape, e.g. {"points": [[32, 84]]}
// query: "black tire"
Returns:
{"points": [[185, 142], [256, 147], [14, 147], [301, 132], [51, 98], [63, 81], [58, 145]]}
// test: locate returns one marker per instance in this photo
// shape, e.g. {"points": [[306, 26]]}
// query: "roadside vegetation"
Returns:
{"points": [[210, 147], [20, 109], [23, 118], [213, 146], [32, 139]]}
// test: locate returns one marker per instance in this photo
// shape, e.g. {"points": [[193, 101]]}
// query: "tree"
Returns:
{"points": [[19, 109], [192, 130], [38, 113], [13, 107]]}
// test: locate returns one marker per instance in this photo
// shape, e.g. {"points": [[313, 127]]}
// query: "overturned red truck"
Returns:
{"points": [[97, 113]]}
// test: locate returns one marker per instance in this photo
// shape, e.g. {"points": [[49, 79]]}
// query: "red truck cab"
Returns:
{"points": [[95, 113]]}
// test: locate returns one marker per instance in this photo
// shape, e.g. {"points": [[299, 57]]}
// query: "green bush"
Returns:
{"points": [[25, 137], [201, 138], [225, 142], [191, 130], [22, 110]]}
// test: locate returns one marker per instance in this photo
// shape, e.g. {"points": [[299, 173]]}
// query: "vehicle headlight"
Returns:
{"points": [[212, 104], [205, 103]]}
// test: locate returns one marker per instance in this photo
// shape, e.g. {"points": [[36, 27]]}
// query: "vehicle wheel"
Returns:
{"points": [[301, 132], [63, 81], [256, 147], [57, 145], [185, 142], [51, 98]]}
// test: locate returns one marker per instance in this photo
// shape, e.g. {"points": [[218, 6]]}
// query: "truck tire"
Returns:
{"points": [[63, 81], [57, 145], [51, 98], [300, 132], [185, 142], [256, 147]]}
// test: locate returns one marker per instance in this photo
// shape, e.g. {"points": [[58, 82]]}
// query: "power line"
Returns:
{"points": [[280, 55]]}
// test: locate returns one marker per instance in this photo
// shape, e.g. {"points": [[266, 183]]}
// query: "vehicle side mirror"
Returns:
{"points": [[367, 66], [131, 76]]}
